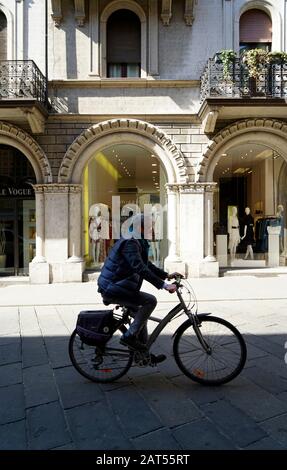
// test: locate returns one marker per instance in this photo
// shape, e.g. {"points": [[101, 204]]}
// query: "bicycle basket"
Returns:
{"points": [[95, 326]]}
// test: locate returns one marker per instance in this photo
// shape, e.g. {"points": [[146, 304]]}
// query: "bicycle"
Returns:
{"points": [[208, 350]]}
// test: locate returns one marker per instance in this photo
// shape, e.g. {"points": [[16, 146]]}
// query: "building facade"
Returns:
{"points": [[101, 100]]}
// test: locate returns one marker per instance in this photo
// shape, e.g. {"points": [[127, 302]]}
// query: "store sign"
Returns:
{"points": [[16, 192]]}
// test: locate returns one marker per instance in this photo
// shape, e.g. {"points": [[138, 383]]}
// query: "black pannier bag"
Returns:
{"points": [[95, 327]]}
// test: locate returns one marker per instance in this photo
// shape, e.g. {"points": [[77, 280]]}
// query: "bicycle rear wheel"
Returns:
{"points": [[100, 364], [227, 354]]}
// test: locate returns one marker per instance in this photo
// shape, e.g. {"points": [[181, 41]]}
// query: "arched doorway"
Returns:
{"points": [[17, 212], [146, 138], [250, 176], [119, 181], [247, 161]]}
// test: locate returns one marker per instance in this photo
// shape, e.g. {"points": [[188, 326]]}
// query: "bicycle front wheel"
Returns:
{"points": [[102, 364], [221, 363]]}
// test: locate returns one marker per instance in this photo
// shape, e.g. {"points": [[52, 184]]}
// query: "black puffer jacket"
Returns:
{"points": [[125, 269]]}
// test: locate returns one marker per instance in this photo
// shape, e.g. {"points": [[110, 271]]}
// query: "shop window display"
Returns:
{"points": [[119, 182], [251, 196]]}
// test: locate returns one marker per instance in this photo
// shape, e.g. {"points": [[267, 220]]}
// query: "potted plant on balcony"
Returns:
{"points": [[227, 57], [2, 247], [255, 59], [277, 57]]}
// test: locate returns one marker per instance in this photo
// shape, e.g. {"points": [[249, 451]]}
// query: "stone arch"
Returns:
{"points": [[270, 132], [271, 10], [16, 137], [132, 131], [111, 8]]}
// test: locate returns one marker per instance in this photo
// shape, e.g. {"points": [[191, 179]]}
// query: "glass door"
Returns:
{"points": [[8, 255]]}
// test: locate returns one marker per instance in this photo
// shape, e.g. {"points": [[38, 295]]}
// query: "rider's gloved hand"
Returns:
{"points": [[171, 288], [174, 275]]}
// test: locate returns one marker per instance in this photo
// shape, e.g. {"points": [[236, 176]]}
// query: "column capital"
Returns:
{"points": [[57, 12], [188, 12], [191, 188], [57, 188], [166, 13]]}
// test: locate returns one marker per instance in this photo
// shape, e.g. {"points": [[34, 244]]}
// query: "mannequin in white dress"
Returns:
{"points": [[233, 230], [155, 244]]}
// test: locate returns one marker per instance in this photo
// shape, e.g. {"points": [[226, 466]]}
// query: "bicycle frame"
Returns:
{"points": [[168, 318]]}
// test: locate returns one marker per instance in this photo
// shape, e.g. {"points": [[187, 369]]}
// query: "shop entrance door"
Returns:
{"points": [[8, 248], [17, 236]]}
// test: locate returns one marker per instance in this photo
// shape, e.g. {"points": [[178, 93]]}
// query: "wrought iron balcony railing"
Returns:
{"points": [[22, 79], [271, 81]]}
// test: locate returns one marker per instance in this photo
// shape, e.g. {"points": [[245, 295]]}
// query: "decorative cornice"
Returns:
{"points": [[166, 13], [188, 12], [121, 125], [191, 188], [57, 188], [237, 128], [18, 135], [57, 12], [80, 13]]}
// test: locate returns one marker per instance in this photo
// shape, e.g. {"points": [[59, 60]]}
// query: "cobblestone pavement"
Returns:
{"points": [[46, 404]]}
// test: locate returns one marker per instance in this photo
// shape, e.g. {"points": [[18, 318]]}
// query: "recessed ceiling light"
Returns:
{"points": [[154, 164], [154, 171]]}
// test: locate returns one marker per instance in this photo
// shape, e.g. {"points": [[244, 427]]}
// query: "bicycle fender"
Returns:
{"points": [[199, 315]]}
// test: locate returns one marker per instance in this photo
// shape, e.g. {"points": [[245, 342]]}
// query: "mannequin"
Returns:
{"points": [[248, 235], [233, 230], [155, 244], [279, 215], [94, 232]]}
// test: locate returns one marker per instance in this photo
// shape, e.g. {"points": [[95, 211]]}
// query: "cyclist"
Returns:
{"points": [[120, 281]]}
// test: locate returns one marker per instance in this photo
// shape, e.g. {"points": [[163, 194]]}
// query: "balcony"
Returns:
{"points": [[271, 81], [232, 94], [23, 94]]}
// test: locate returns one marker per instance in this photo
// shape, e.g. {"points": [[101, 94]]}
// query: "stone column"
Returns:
{"points": [[94, 35], [273, 246], [228, 24], [173, 262], [153, 38], [208, 222], [75, 219], [39, 268], [40, 223], [63, 232], [193, 236]]}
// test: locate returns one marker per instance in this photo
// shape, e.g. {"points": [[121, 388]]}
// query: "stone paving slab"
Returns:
{"points": [[12, 403], [39, 385], [13, 436], [47, 427], [94, 426], [11, 374]]}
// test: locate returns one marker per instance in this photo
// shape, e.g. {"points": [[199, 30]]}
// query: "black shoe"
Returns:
{"points": [[157, 359], [132, 342]]}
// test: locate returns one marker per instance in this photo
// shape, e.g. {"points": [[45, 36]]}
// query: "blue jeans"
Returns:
{"points": [[143, 304]]}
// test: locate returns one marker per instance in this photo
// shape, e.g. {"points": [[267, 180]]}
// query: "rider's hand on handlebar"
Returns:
{"points": [[174, 276], [171, 288]]}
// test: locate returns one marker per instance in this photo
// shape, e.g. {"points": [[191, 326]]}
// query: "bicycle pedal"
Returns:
{"points": [[141, 359]]}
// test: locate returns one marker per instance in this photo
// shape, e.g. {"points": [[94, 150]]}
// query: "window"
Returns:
{"points": [[3, 36], [123, 44], [255, 30]]}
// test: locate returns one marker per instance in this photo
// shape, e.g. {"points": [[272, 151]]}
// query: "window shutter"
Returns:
{"points": [[3, 36], [255, 26], [124, 38]]}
